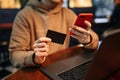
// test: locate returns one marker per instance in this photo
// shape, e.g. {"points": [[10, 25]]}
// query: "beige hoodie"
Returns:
{"points": [[31, 23]]}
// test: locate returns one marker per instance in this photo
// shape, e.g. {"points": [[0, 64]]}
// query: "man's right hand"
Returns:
{"points": [[41, 48]]}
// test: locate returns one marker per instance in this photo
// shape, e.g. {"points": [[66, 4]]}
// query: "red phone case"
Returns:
{"points": [[82, 17]]}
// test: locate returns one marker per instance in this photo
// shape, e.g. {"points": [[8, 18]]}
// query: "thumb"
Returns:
{"points": [[88, 24]]}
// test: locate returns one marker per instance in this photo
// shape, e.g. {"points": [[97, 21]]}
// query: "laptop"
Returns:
{"points": [[81, 65], [107, 59]]}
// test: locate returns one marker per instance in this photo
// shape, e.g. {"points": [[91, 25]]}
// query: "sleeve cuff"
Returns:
{"points": [[29, 60]]}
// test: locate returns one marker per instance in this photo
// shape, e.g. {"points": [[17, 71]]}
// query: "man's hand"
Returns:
{"points": [[41, 48], [81, 34]]}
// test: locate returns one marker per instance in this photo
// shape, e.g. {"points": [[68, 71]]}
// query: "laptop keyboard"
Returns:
{"points": [[76, 73]]}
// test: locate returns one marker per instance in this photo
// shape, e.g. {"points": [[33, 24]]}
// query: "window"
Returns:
{"points": [[103, 7], [9, 4], [81, 6], [80, 3], [103, 10]]}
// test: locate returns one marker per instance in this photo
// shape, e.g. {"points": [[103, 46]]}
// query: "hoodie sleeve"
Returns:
{"points": [[20, 52]]}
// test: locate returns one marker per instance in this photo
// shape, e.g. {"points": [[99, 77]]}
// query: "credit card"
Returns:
{"points": [[56, 37]]}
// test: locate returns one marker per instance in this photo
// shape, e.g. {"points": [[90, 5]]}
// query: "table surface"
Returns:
{"points": [[33, 73]]}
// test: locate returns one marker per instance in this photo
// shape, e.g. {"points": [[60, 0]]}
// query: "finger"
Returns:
{"points": [[40, 45], [43, 39], [41, 59], [41, 49], [41, 54], [79, 31], [76, 29], [88, 24], [81, 39]]}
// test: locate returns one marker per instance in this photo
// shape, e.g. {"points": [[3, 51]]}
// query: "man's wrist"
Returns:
{"points": [[33, 59], [89, 41]]}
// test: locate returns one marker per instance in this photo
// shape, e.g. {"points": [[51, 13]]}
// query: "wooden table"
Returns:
{"points": [[33, 73], [106, 62]]}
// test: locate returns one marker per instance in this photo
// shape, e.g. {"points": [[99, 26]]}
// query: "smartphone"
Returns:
{"points": [[82, 17]]}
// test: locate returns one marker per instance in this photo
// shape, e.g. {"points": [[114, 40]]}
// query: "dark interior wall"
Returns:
{"points": [[6, 20]]}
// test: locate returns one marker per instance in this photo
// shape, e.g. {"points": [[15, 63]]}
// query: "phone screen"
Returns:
{"points": [[82, 17]]}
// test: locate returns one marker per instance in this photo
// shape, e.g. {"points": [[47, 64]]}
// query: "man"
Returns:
{"points": [[28, 44]]}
